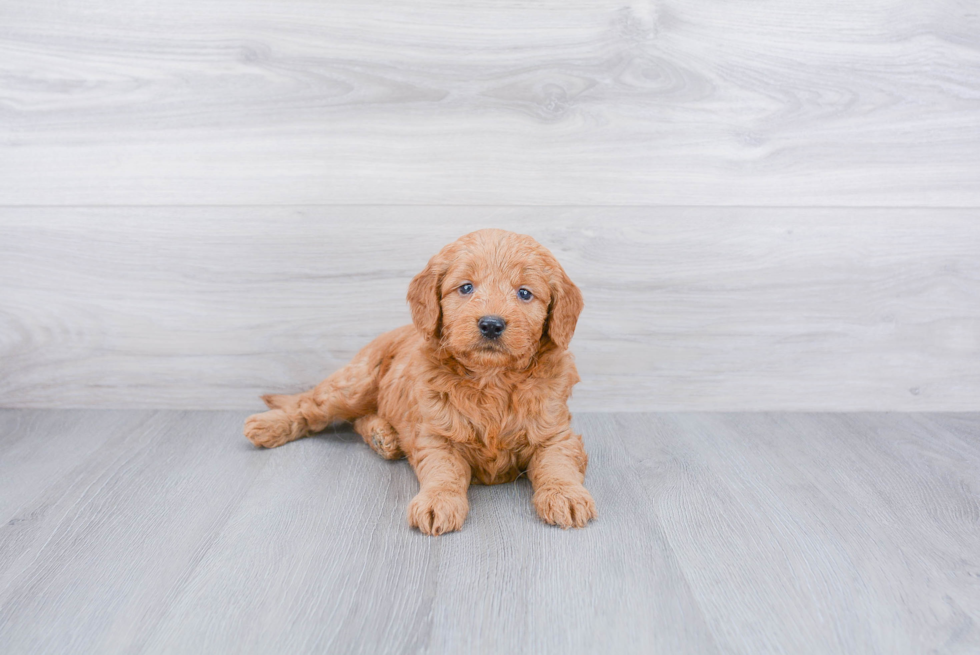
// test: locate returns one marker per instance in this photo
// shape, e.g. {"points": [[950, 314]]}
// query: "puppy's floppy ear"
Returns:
{"points": [[566, 305], [424, 296]]}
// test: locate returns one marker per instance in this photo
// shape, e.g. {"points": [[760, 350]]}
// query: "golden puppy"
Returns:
{"points": [[474, 391]]}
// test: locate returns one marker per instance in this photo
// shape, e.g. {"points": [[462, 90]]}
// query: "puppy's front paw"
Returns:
{"points": [[435, 513], [567, 506], [269, 429]]}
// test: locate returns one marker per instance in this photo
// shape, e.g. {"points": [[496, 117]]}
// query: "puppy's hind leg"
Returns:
{"points": [[350, 392], [380, 435]]}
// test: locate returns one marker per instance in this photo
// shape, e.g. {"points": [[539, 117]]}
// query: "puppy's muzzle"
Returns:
{"points": [[491, 327]]}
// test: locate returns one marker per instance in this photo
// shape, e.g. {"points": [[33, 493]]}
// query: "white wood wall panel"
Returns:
{"points": [[686, 308], [769, 102], [769, 204]]}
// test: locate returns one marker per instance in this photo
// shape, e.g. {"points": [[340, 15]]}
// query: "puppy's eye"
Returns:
{"points": [[524, 294], [466, 289]]}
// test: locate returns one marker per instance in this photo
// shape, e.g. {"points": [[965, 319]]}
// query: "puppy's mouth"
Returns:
{"points": [[483, 345], [486, 353]]}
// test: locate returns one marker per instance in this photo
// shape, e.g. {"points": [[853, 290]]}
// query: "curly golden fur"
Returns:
{"points": [[465, 403]]}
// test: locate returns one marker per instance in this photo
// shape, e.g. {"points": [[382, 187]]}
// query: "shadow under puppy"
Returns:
{"points": [[475, 390]]}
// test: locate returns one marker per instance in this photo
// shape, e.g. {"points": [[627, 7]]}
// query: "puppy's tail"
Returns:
{"points": [[275, 401]]}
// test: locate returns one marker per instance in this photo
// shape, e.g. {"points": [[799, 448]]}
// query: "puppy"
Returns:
{"points": [[475, 391]]}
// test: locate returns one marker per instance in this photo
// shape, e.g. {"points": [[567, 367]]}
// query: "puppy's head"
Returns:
{"points": [[493, 299]]}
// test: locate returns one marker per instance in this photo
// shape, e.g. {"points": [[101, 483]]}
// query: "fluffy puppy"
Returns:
{"points": [[475, 391]]}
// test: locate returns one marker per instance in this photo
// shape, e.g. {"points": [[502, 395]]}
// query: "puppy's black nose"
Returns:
{"points": [[491, 326]]}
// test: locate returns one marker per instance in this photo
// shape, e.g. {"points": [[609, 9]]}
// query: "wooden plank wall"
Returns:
{"points": [[768, 205]]}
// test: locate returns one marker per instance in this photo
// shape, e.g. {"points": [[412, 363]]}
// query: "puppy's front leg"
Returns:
{"points": [[444, 477], [557, 471]]}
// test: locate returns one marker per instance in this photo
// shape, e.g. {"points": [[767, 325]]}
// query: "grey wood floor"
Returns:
{"points": [[166, 531]]}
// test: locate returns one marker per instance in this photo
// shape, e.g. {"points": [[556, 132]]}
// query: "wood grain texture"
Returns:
{"points": [[686, 308], [152, 532], [856, 513], [430, 102]]}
